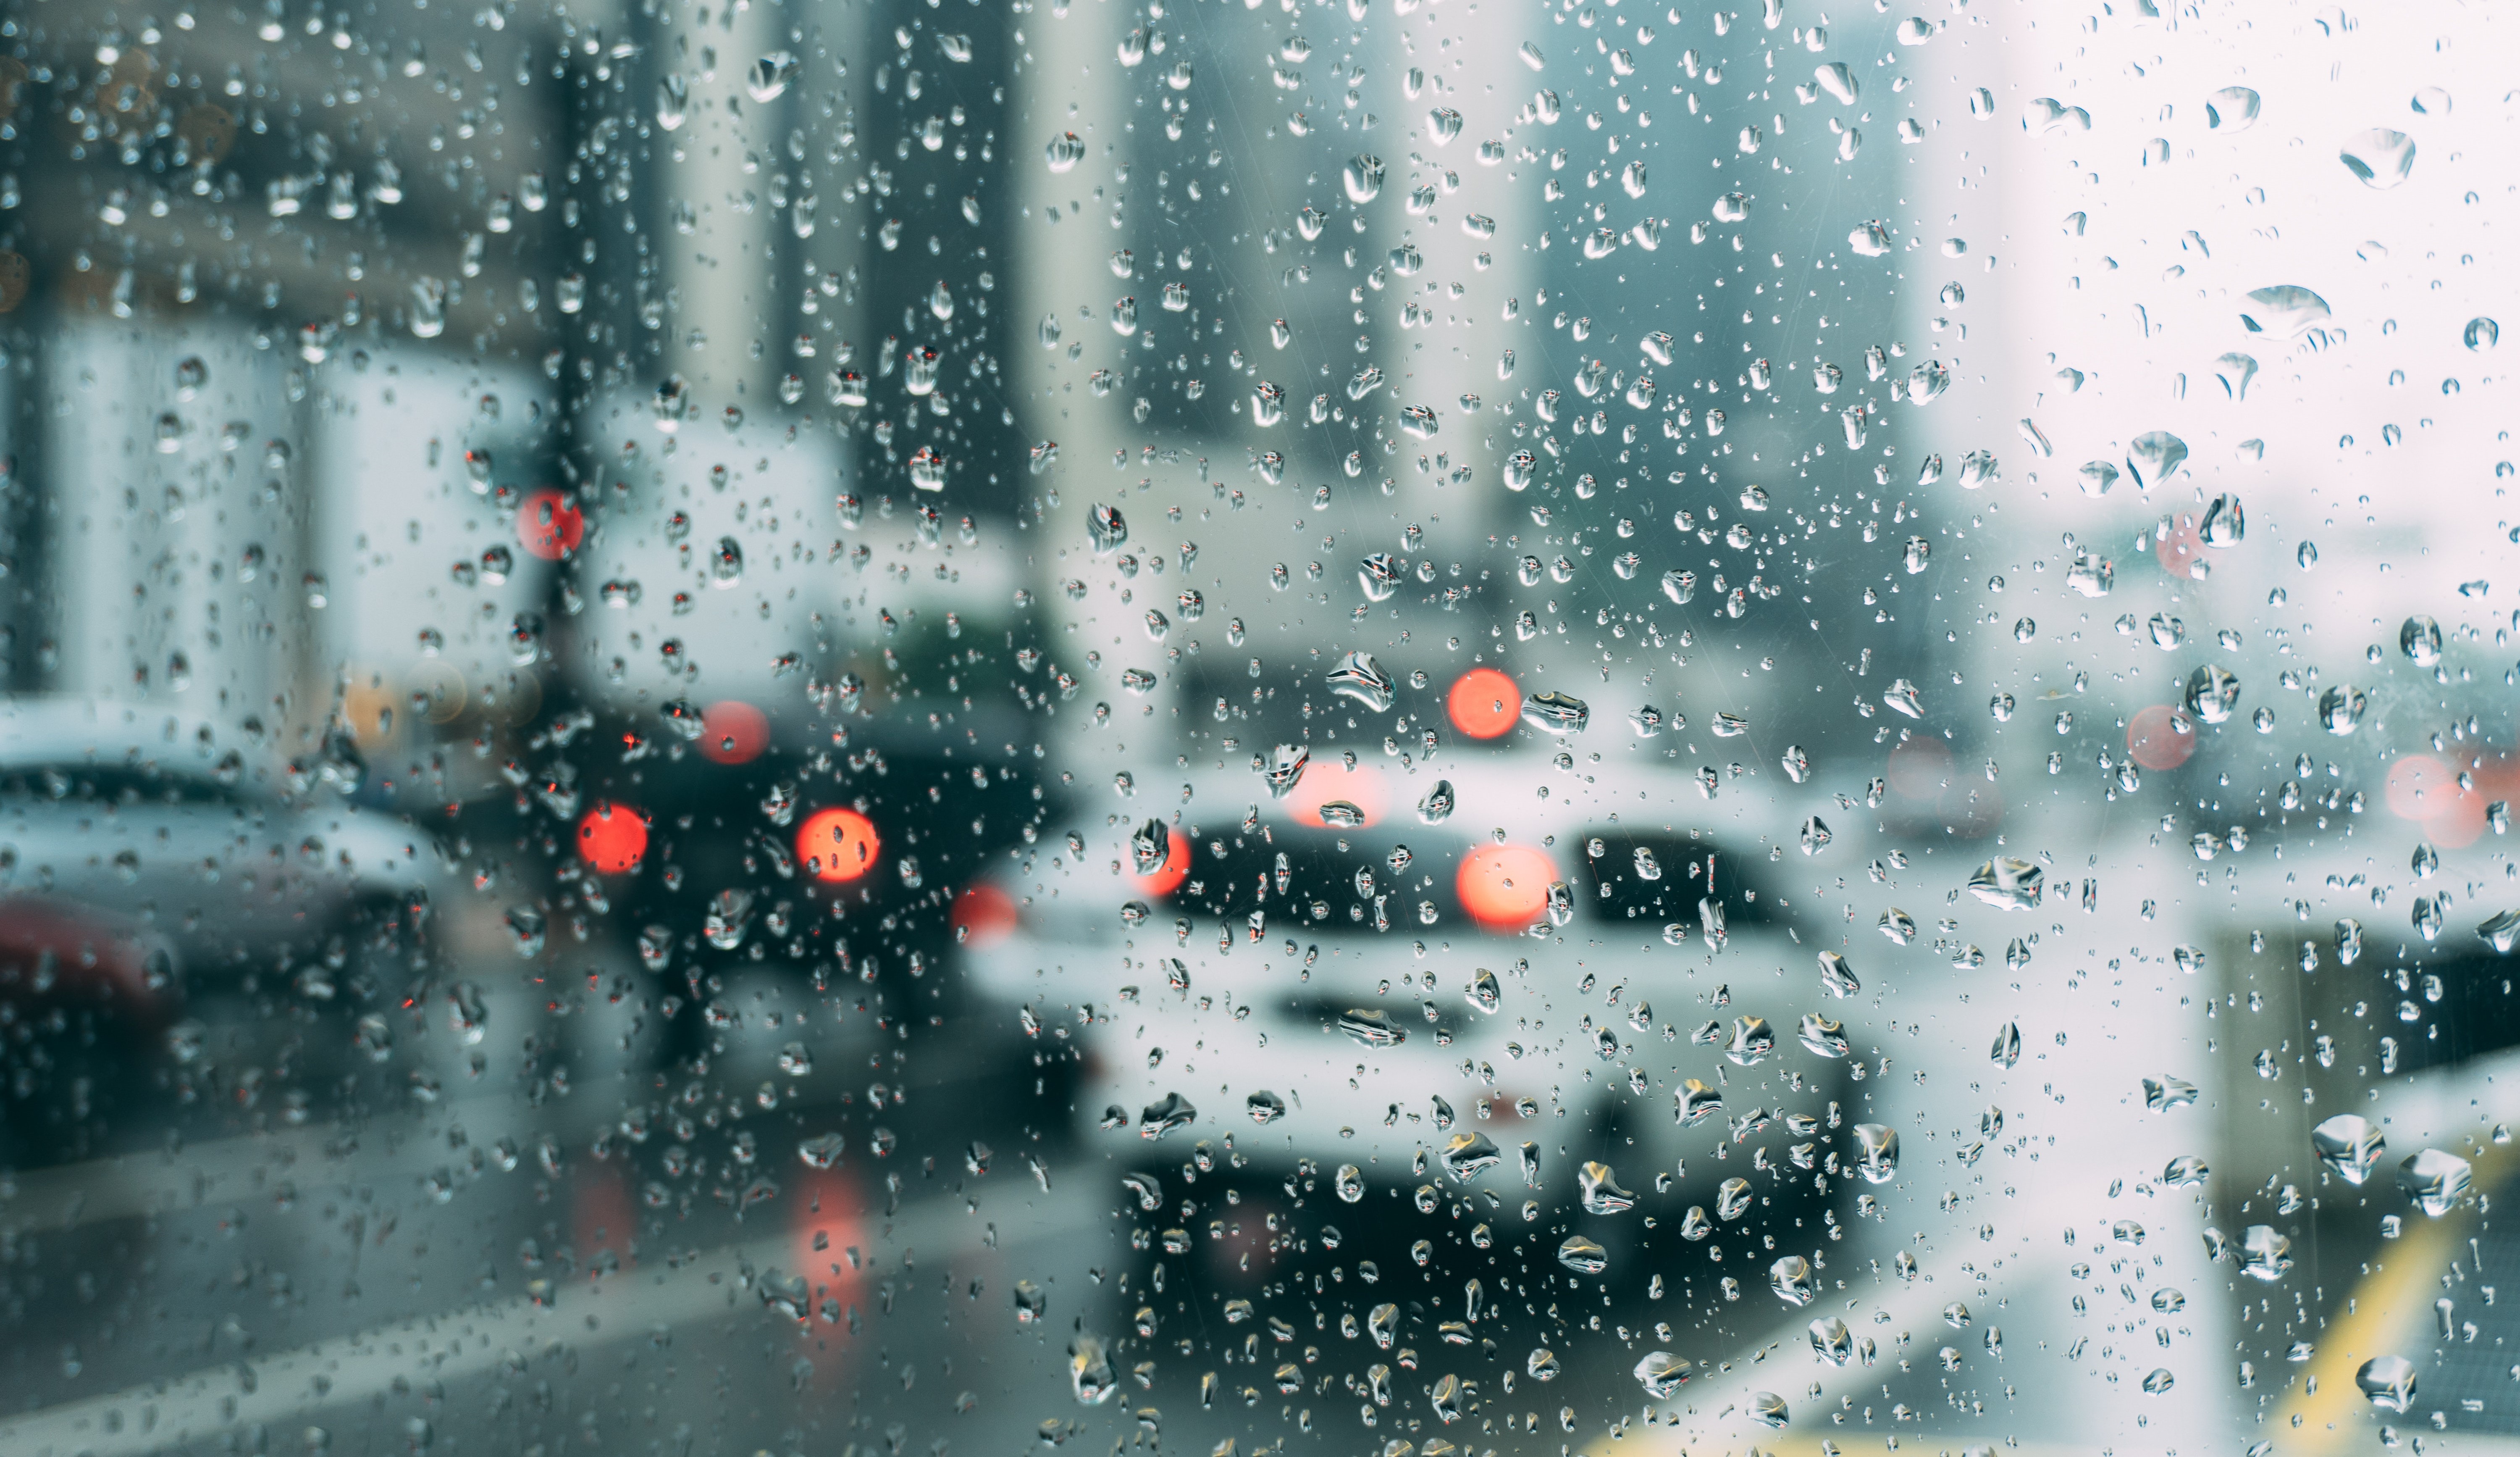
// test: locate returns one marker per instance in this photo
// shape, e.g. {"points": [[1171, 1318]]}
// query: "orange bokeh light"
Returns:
{"points": [[612, 838], [827, 1211], [837, 844], [2425, 789], [1323, 783], [2182, 553], [983, 915], [734, 732], [1505, 886], [2161, 736], [1165, 878], [550, 526], [1484, 703]]}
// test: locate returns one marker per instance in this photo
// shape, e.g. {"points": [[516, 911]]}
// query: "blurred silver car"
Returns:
{"points": [[153, 864]]}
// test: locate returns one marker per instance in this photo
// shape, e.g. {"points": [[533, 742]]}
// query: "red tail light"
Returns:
{"points": [[983, 915], [550, 526], [53, 948], [612, 838], [837, 844], [1165, 878]]}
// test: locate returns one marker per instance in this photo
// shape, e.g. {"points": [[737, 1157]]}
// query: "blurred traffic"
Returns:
{"points": [[780, 727]]}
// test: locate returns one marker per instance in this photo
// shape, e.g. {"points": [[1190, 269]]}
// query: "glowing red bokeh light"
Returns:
{"points": [[550, 526], [1165, 878], [1484, 703], [983, 915], [612, 838], [837, 844], [1505, 886], [734, 732]]}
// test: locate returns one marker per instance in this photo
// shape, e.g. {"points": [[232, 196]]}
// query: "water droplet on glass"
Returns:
{"points": [[1107, 528], [2008, 883], [2420, 639], [1089, 1370], [1358, 676], [1600, 1189], [1583, 1256], [2213, 693], [2007, 1050], [1371, 1027], [1470, 1155], [1363, 178], [1557, 712], [1831, 1341], [2232, 108], [1162, 1117], [1823, 1036], [2152, 457], [1382, 1323], [2435, 1181], [2381, 157], [2389, 1381], [2283, 311], [1660, 1373], [772, 74], [1751, 1042], [822, 1150], [1284, 768], [1876, 1151], [2350, 1146]]}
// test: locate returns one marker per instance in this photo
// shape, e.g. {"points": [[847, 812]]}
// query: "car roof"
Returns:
{"points": [[1491, 792]]}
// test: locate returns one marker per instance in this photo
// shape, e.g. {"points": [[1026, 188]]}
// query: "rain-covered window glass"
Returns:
{"points": [[1389, 728]]}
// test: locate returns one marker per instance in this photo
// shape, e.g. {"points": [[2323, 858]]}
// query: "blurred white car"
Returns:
{"points": [[1342, 992]]}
